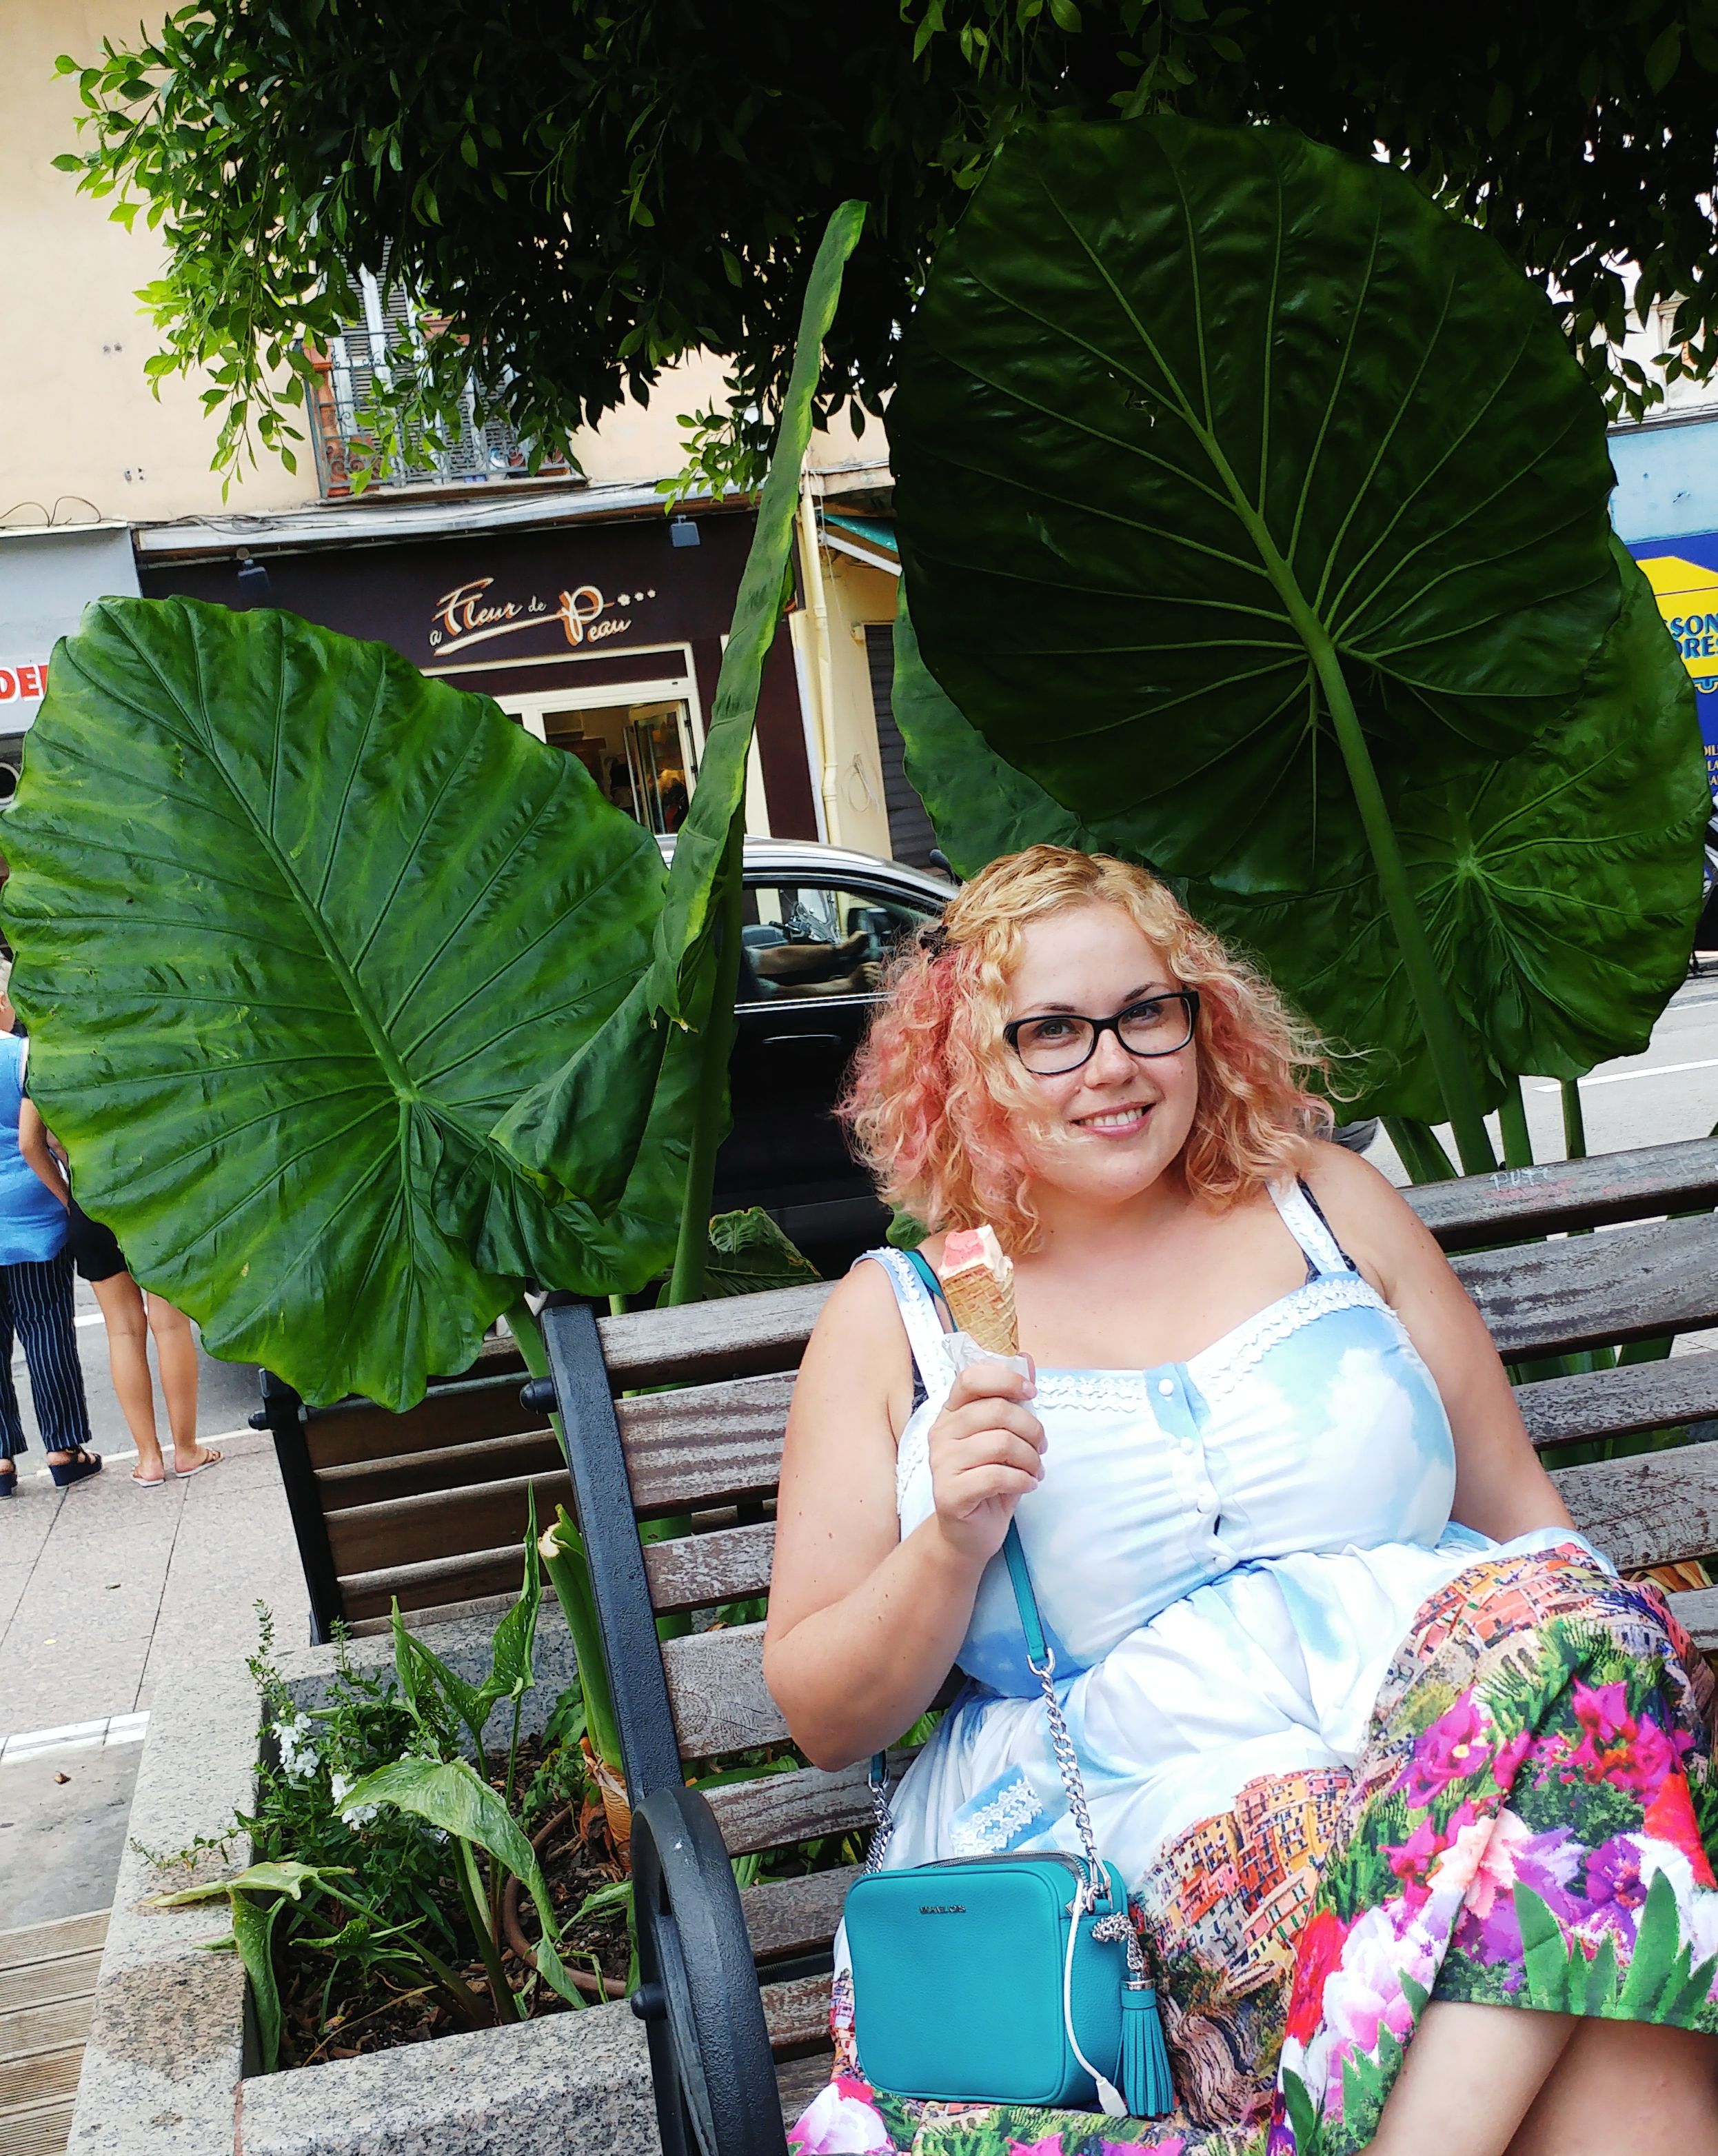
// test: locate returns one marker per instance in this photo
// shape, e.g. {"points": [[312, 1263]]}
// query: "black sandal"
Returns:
{"points": [[8, 1481], [82, 1462]]}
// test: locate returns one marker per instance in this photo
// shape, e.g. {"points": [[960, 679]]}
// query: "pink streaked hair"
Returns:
{"points": [[936, 1102]]}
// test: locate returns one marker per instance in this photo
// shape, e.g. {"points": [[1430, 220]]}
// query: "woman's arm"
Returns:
{"points": [[33, 1143], [1500, 1488], [862, 1626]]}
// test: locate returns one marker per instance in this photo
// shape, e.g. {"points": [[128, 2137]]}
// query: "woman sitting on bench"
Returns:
{"points": [[1385, 1751]]}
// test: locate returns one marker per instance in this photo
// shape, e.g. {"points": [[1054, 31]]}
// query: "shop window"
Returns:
{"points": [[641, 756], [802, 940]]}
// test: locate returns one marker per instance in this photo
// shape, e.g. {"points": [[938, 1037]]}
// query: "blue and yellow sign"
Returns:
{"points": [[1684, 575]]}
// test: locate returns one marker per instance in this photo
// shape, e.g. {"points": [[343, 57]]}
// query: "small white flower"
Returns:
{"points": [[299, 1756], [353, 1814]]}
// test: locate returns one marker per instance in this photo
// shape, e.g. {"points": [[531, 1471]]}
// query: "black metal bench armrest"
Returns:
{"points": [[697, 1994]]}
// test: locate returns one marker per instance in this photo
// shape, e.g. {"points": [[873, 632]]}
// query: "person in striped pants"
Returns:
{"points": [[35, 1296]]}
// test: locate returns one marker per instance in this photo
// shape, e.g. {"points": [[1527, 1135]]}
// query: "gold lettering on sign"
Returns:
{"points": [[465, 616]]}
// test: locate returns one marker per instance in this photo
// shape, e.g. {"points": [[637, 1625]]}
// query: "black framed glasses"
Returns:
{"points": [[1060, 1042]]}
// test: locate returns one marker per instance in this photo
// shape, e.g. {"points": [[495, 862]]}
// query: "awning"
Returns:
{"points": [[865, 538]]}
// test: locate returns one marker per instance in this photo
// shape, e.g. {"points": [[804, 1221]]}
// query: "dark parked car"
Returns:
{"points": [[820, 924]]}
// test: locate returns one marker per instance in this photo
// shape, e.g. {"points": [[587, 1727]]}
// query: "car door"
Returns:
{"points": [[813, 954]]}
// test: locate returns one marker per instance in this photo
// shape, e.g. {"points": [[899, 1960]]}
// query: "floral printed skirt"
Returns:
{"points": [[1531, 1824]]}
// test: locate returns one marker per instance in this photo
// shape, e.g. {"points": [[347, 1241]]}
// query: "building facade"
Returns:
{"points": [[595, 618]]}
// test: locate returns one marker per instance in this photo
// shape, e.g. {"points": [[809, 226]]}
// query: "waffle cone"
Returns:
{"points": [[979, 1279]]}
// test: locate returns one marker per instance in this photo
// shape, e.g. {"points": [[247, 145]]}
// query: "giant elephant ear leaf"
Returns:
{"points": [[1206, 434], [1560, 888], [294, 924], [980, 807]]}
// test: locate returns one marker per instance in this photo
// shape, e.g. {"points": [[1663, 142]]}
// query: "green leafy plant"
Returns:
{"points": [[591, 194], [1309, 497], [1279, 486]]}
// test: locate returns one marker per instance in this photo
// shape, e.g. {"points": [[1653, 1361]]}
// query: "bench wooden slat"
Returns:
{"points": [[353, 1432], [413, 1530], [797, 2014], [1519, 1203], [1656, 1508], [796, 1916], [706, 1444], [715, 1686], [1623, 1284], [450, 1467], [695, 1571], [777, 1808], [1663, 1395], [798, 2081], [469, 1576], [734, 1337], [1697, 1610]]}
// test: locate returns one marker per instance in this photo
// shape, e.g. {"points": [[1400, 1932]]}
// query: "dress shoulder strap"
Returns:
{"points": [[1304, 1217], [920, 1316]]}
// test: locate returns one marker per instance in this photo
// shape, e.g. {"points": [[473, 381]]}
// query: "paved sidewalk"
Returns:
{"points": [[105, 1587]]}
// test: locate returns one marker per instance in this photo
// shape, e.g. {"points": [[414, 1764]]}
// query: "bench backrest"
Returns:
{"points": [[708, 1454]]}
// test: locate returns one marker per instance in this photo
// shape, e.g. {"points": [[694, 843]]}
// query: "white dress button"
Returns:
{"points": [[1166, 1386], [1207, 1502], [1187, 1445]]}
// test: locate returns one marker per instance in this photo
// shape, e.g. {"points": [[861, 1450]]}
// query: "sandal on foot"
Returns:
{"points": [[8, 1483], [149, 1481], [83, 1462], [214, 1459]]}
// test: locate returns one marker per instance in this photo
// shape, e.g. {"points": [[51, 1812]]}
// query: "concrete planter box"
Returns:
{"points": [[166, 2070]]}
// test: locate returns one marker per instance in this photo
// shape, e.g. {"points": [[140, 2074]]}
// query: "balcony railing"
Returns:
{"points": [[350, 367]]}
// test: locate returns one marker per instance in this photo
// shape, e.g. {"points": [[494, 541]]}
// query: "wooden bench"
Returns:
{"points": [[734, 1985], [429, 1505]]}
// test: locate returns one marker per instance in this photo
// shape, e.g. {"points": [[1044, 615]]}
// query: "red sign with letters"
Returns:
{"points": [[23, 682]]}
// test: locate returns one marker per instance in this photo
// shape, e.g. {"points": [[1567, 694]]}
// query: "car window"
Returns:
{"points": [[804, 940]]}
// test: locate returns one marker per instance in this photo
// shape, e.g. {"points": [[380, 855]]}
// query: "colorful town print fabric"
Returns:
{"points": [[1532, 1823]]}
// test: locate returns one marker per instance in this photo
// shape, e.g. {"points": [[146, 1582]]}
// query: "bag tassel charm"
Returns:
{"points": [[1146, 2088]]}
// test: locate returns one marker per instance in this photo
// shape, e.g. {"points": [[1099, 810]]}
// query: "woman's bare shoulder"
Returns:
{"points": [[1368, 1215], [859, 1331]]}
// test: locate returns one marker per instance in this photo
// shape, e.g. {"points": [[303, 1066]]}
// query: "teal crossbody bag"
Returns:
{"points": [[1015, 1979]]}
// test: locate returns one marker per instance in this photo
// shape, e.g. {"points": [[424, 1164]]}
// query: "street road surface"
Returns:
{"points": [[1669, 1092]]}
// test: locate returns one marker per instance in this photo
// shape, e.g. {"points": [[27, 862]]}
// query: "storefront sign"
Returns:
{"points": [[24, 683], [473, 613], [1685, 582]]}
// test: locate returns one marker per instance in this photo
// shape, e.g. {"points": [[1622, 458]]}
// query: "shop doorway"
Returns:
{"points": [[643, 752]]}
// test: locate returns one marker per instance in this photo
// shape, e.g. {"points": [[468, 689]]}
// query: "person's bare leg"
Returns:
{"points": [[1470, 2077], [1627, 2088], [121, 1301], [176, 1351]]}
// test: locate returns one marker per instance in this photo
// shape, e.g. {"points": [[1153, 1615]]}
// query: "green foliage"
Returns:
{"points": [[589, 193], [1559, 890], [749, 1253], [1199, 431], [449, 1796], [282, 977]]}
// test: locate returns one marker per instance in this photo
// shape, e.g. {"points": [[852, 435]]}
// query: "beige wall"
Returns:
{"points": [[853, 594], [77, 418]]}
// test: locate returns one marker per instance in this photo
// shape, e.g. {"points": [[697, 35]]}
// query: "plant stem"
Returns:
{"points": [[563, 1554], [1418, 1148], [471, 1893], [687, 1283], [1455, 1080], [1512, 1122], [1574, 1119]]}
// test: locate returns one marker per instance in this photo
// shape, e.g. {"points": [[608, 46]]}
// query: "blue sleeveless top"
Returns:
{"points": [[31, 1219]]}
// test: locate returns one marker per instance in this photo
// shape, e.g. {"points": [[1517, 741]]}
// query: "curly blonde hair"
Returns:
{"points": [[935, 1102]]}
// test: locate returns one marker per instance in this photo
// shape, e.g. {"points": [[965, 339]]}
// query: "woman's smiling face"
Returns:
{"points": [[1115, 1125]]}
